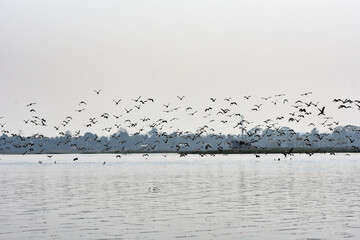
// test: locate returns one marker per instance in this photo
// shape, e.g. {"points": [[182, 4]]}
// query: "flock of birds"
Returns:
{"points": [[218, 112]]}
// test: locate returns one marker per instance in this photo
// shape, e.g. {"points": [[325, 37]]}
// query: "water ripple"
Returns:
{"points": [[233, 197]]}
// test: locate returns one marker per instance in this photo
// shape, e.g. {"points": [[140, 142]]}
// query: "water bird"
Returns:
{"points": [[193, 113], [136, 100], [117, 101], [266, 98], [128, 111], [305, 94], [97, 91], [154, 189], [288, 152], [344, 106], [321, 111], [225, 110], [30, 104], [117, 116]]}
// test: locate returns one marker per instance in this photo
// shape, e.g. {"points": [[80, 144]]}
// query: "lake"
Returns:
{"points": [[171, 197]]}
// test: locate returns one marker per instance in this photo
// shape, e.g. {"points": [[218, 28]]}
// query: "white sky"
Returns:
{"points": [[56, 52]]}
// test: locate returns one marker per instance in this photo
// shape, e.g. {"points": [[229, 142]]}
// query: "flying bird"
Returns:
{"points": [[128, 111], [136, 100], [193, 113], [97, 91], [305, 94], [181, 98], [117, 102], [321, 111], [117, 116]]}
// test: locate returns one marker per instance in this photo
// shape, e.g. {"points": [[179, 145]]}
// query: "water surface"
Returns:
{"points": [[171, 197]]}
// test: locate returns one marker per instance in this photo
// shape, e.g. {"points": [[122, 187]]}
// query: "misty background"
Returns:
{"points": [[55, 53]]}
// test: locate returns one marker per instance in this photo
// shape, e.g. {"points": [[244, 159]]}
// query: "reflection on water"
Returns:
{"points": [[222, 197]]}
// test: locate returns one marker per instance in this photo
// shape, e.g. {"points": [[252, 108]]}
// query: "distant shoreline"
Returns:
{"points": [[285, 151]]}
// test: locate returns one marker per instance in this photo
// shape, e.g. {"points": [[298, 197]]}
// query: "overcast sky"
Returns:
{"points": [[56, 52]]}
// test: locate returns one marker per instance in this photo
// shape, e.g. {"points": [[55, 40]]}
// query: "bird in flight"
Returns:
{"points": [[321, 111], [307, 93], [97, 91], [181, 98], [128, 111], [193, 113], [117, 102], [115, 116], [136, 100], [30, 104]]}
